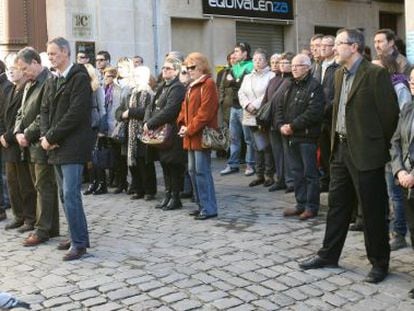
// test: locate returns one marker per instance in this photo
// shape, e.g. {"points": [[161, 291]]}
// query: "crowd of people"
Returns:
{"points": [[317, 121]]}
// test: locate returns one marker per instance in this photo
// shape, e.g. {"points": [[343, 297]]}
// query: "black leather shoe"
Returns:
{"points": [[74, 253], [356, 227], [165, 201], [91, 188], [14, 225], [411, 293], [317, 262], [149, 197], [64, 245], [268, 182], [289, 189], [174, 203], [137, 196], [194, 213], [101, 189], [256, 182], [120, 188], [131, 190], [277, 186], [204, 216], [376, 275]]}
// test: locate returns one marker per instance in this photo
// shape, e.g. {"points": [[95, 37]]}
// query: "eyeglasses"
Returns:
{"points": [[167, 68], [343, 42], [284, 63], [82, 57], [325, 45], [191, 67], [298, 65], [109, 76], [100, 59]]}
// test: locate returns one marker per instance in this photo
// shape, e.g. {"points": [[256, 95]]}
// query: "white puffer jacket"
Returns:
{"points": [[252, 91]]}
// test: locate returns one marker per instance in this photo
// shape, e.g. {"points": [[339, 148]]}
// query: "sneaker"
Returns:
{"points": [[397, 242], [249, 171], [229, 170]]}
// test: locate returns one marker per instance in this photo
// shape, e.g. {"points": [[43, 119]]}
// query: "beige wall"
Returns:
{"points": [[145, 27]]}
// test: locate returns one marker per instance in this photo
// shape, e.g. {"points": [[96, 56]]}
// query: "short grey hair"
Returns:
{"points": [[175, 62], [354, 36], [28, 54], [262, 52], [62, 43]]}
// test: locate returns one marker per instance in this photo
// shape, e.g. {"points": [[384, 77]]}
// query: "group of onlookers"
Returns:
{"points": [[328, 121]]}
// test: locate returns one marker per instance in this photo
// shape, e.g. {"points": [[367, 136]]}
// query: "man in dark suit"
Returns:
{"points": [[66, 133], [365, 114]]}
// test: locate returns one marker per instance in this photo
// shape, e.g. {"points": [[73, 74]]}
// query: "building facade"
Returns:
{"points": [[151, 28]]}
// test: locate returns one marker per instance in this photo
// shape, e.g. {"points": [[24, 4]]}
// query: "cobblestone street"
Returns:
{"points": [[247, 259]]}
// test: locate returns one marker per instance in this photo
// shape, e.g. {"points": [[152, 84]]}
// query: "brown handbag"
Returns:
{"points": [[160, 138]]}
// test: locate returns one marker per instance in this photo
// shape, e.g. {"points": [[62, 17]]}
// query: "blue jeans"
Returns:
{"points": [[395, 193], [237, 131], [199, 168], [69, 180], [302, 161]]}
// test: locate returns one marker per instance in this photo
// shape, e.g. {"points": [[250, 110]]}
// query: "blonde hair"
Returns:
{"points": [[94, 77], [200, 61]]}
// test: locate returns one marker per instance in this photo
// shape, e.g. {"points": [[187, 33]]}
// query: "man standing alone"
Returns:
{"points": [[365, 114], [67, 136]]}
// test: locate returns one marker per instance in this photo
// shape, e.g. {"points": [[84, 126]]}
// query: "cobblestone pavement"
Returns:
{"points": [[145, 259]]}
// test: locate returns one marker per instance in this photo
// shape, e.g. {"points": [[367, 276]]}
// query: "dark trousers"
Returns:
{"points": [[173, 176], [306, 177], [145, 177], [369, 187], [120, 164], [325, 154], [21, 192], [408, 199], [47, 205]]}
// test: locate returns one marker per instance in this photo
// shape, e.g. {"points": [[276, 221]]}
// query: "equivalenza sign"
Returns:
{"points": [[273, 9]]}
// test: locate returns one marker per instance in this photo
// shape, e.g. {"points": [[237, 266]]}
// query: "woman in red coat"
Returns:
{"points": [[199, 110]]}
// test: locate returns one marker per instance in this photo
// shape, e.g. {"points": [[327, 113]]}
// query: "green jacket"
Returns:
{"points": [[242, 68], [27, 119]]}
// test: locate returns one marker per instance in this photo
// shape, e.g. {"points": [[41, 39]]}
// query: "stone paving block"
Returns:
{"points": [[146, 305], [254, 277], [310, 290], [339, 280], [295, 294], [56, 301], [107, 307], [205, 278], [226, 303], [145, 287], [211, 296], [95, 282], [364, 289], [335, 300], [325, 286], [289, 281], [265, 304], [259, 290], [159, 292], [59, 291], [85, 295], [243, 294], [173, 278], [123, 293], [187, 283], [200, 289], [275, 285], [163, 308], [281, 299], [318, 305], [268, 272], [174, 297], [349, 295], [51, 281], [140, 280], [243, 307], [94, 301], [111, 286], [135, 299], [186, 304], [68, 307], [236, 281]]}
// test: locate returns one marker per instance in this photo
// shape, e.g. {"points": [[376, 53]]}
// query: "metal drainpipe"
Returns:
{"points": [[155, 33]]}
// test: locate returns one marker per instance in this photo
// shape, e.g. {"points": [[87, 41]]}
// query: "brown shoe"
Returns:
{"points": [[291, 211], [307, 215], [33, 240], [74, 253], [64, 245]]}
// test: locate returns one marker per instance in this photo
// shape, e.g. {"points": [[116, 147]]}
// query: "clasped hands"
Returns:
{"points": [[405, 179]]}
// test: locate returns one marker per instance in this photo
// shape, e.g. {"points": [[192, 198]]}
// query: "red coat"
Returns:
{"points": [[198, 110]]}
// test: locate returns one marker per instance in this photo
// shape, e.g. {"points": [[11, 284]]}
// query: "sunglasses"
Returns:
{"points": [[191, 67], [183, 72]]}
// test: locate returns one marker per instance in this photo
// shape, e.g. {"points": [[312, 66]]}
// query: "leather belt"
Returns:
{"points": [[341, 138]]}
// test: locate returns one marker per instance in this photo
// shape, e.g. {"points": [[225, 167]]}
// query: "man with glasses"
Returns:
{"points": [[365, 115], [299, 117], [82, 58], [329, 66], [103, 60], [315, 47]]}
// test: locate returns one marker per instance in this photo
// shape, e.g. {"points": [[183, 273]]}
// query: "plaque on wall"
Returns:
{"points": [[86, 47], [82, 25]]}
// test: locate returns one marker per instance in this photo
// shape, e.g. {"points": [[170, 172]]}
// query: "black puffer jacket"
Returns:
{"points": [[65, 118], [302, 106]]}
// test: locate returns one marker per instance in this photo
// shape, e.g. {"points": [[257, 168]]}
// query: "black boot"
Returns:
{"points": [[101, 189], [165, 201], [91, 188], [175, 202], [121, 187]]}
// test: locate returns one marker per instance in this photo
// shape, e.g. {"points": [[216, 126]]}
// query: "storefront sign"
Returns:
{"points": [[82, 25], [410, 46], [273, 9]]}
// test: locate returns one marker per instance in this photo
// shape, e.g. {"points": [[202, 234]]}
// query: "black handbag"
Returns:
{"points": [[264, 114], [102, 156]]}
